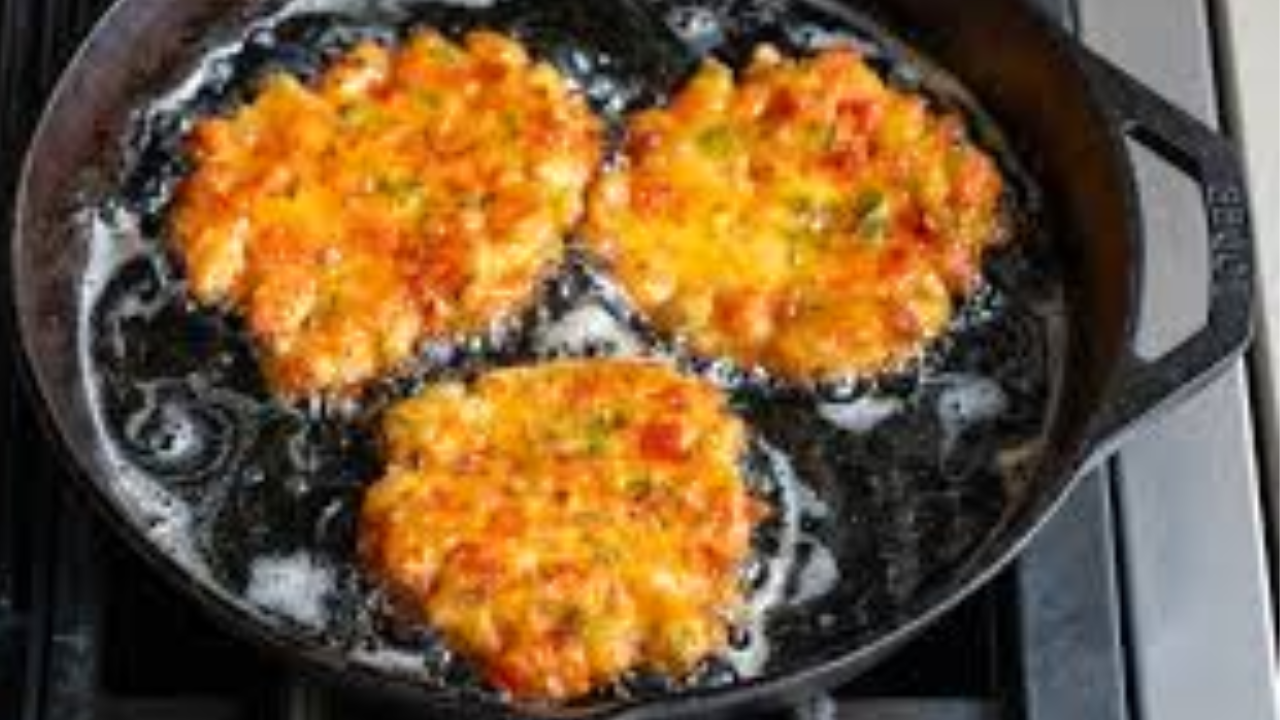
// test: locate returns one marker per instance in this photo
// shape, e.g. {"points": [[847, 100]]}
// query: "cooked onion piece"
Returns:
{"points": [[566, 523], [408, 194], [804, 218]]}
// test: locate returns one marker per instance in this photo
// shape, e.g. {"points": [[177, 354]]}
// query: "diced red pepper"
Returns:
{"points": [[663, 441]]}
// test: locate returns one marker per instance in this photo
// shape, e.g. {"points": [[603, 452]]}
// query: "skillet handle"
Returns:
{"points": [[1147, 386]]}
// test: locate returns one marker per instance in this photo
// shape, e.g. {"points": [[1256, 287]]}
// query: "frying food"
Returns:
{"points": [[408, 195], [807, 218], [565, 523]]}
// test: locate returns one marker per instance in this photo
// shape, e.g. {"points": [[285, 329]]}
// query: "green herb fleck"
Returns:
{"points": [[396, 186], [359, 115], [718, 141], [598, 432], [811, 214], [812, 221], [428, 99], [406, 192], [640, 487], [872, 212], [821, 136]]}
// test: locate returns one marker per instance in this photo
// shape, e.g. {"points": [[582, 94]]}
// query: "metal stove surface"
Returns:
{"points": [[1145, 598]]}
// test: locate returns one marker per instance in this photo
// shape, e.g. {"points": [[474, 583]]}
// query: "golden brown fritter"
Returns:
{"points": [[407, 195], [563, 524], [806, 218]]}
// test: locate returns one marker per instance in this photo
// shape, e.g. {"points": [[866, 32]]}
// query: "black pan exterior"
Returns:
{"points": [[1066, 112]]}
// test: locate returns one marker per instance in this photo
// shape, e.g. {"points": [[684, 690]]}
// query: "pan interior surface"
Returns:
{"points": [[885, 491]]}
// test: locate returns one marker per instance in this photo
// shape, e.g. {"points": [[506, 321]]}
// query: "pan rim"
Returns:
{"points": [[993, 555]]}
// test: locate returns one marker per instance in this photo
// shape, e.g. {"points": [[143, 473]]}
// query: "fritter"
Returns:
{"points": [[407, 195], [805, 218], [566, 523]]}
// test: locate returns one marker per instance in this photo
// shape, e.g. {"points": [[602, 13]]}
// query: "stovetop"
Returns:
{"points": [[1146, 597]]}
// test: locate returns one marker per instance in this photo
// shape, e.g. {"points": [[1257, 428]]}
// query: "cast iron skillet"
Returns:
{"points": [[914, 489]]}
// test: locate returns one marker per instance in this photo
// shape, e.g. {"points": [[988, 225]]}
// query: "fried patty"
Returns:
{"points": [[407, 195], [805, 217], [566, 523]]}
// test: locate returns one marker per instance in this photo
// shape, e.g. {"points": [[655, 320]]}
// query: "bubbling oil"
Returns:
{"points": [[876, 486]]}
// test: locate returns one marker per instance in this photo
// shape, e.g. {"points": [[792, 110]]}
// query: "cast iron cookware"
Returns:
{"points": [[895, 497]]}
